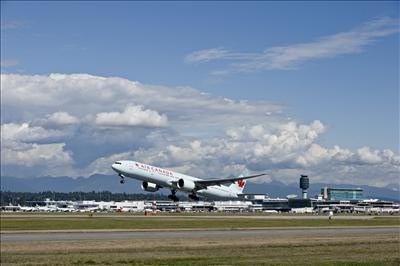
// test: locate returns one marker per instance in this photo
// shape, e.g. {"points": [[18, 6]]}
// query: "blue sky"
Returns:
{"points": [[352, 91]]}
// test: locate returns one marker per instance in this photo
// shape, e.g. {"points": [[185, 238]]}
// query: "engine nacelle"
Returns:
{"points": [[186, 185], [150, 187]]}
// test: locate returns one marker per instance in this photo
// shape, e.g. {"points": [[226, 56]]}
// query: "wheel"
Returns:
{"points": [[122, 181]]}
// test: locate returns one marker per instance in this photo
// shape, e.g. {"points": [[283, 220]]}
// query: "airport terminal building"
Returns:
{"points": [[352, 194]]}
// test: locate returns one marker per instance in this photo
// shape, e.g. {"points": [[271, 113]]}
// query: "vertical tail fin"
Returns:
{"points": [[239, 185]]}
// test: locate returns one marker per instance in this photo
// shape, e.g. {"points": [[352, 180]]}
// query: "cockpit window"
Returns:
{"points": [[117, 163]]}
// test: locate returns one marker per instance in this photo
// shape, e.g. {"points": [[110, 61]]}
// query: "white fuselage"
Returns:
{"points": [[167, 179]]}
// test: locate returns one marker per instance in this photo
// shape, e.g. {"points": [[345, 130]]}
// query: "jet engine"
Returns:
{"points": [[150, 187], [186, 185]]}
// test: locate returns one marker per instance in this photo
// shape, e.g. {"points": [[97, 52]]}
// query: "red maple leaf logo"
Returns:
{"points": [[241, 183]]}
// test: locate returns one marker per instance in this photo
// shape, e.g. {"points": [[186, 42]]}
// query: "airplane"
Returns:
{"points": [[153, 178]]}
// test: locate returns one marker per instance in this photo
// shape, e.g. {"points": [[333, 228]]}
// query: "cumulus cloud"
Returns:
{"points": [[26, 146], [180, 128], [289, 56], [49, 155], [283, 152], [12, 132], [132, 116], [363, 156], [62, 118], [102, 164], [91, 95], [90, 102], [368, 156]]}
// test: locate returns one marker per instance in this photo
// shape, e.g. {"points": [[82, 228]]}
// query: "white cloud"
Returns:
{"points": [[168, 113], [102, 165], [11, 132], [283, 152], [90, 95], [179, 128], [216, 53], [366, 155], [20, 146], [62, 118], [132, 116], [289, 56], [49, 155], [317, 154], [263, 148], [206, 55]]}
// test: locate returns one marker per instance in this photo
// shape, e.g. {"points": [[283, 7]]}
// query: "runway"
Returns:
{"points": [[262, 217], [237, 233]]}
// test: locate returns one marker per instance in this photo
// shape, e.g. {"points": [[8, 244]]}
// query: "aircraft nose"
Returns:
{"points": [[116, 166]]}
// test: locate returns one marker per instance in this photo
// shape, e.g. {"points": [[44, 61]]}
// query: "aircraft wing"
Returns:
{"points": [[202, 184]]}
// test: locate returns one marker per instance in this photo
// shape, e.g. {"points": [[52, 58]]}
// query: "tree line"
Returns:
{"points": [[24, 198]]}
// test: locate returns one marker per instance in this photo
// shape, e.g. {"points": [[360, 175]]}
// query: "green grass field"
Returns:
{"points": [[375, 249], [348, 250], [73, 222]]}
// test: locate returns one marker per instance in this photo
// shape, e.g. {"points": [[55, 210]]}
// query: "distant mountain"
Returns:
{"points": [[394, 187], [111, 183], [68, 184]]}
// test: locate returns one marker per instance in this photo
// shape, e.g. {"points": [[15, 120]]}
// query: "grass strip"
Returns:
{"points": [[100, 222]]}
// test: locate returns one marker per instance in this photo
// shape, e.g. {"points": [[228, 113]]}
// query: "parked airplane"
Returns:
{"points": [[153, 178]]}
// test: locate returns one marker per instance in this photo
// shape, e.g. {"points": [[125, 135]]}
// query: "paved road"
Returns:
{"points": [[107, 235]]}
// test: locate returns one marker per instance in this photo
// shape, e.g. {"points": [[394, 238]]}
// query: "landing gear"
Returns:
{"points": [[122, 181], [194, 197], [173, 196]]}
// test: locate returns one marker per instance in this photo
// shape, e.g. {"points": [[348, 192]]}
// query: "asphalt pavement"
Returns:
{"points": [[272, 233]]}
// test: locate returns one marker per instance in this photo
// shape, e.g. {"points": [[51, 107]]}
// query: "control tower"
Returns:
{"points": [[304, 185]]}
